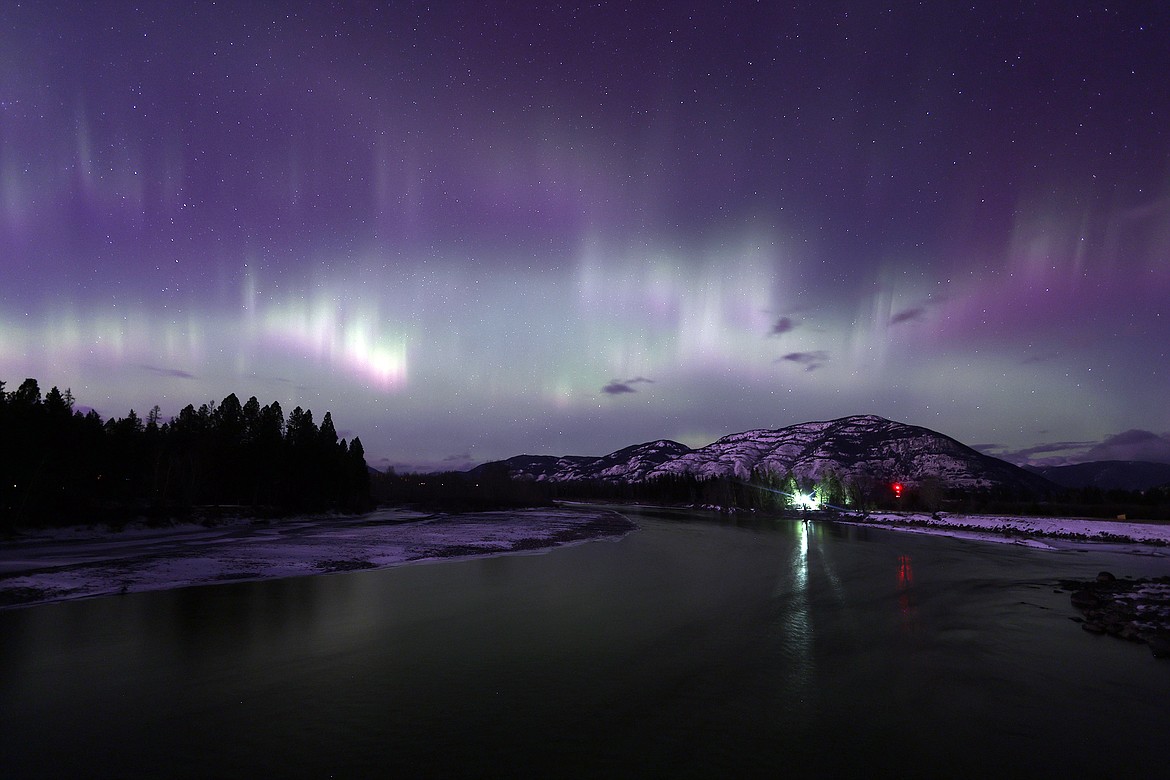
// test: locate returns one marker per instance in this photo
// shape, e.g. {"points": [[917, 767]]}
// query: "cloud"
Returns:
{"points": [[783, 325], [176, 372], [1055, 453], [457, 462], [908, 315], [619, 387], [1134, 444], [810, 360], [1055, 446]]}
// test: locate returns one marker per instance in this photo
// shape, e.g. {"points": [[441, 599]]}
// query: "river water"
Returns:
{"points": [[695, 646]]}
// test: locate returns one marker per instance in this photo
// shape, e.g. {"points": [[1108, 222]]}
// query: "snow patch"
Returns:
{"points": [[1022, 530]]}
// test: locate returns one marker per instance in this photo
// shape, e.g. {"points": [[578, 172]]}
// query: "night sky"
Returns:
{"points": [[472, 230]]}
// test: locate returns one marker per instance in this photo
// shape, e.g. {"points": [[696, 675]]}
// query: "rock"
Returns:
{"points": [[1085, 599], [1134, 610], [1159, 644]]}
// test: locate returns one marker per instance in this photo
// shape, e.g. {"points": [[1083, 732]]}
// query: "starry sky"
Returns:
{"points": [[477, 229]]}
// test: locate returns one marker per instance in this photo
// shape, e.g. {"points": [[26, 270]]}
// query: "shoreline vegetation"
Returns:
{"points": [[491, 486]]}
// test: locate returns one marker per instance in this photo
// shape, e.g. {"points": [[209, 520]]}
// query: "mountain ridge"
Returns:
{"points": [[863, 449], [1108, 474]]}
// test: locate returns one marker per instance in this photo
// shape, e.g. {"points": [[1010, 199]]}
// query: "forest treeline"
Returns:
{"points": [[490, 487], [59, 465]]}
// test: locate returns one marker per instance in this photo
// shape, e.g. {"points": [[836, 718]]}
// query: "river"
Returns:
{"points": [[696, 646]]}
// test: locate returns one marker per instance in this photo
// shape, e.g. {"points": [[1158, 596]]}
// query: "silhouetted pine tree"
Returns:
{"points": [[60, 465]]}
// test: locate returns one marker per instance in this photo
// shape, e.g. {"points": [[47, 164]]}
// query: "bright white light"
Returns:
{"points": [[806, 502]]}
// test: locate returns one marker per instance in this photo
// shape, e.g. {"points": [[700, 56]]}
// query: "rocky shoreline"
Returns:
{"points": [[1137, 610]]}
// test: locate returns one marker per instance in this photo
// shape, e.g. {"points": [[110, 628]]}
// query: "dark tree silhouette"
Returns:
{"points": [[58, 465]]}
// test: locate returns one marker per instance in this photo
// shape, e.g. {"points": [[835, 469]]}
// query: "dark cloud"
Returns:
{"points": [[783, 325], [618, 387], [1134, 444], [176, 372], [1050, 454], [1056, 446], [908, 315], [460, 462], [810, 360]]}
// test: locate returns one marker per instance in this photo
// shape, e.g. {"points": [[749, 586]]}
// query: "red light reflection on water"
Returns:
{"points": [[905, 581], [905, 572]]}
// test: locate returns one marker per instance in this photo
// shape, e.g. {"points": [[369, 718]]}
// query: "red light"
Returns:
{"points": [[897, 486], [905, 572]]}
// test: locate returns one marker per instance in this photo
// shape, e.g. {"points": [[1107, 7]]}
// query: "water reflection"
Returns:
{"points": [[795, 613], [801, 562], [906, 606], [818, 531]]}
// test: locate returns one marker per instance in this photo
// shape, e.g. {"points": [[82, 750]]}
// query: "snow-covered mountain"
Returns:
{"points": [[858, 449], [629, 464]]}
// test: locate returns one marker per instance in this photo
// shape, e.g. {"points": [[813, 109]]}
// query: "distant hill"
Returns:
{"points": [[630, 464], [858, 448], [1108, 474]]}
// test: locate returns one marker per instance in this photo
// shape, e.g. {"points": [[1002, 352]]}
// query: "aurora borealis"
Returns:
{"points": [[472, 230]]}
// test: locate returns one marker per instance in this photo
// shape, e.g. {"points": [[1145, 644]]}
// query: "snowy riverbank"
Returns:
{"points": [[1043, 532], [82, 562]]}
